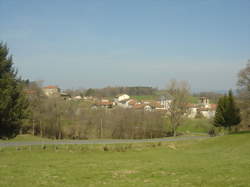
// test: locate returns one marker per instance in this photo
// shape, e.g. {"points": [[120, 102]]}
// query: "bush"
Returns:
{"points": [[105, 148]]}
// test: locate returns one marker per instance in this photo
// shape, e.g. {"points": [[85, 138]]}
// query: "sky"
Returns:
{"points": [[99, 43]]}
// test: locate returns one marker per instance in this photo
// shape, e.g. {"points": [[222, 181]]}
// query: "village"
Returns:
{"points": [[123, 93], [201, 109]]}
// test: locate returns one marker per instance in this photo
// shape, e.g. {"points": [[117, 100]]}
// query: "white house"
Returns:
{"points": [[121, 97], [192, 112], [51, 91], [205, 102], [78, 97], [207, 113], [165, 101], [206, 109]]}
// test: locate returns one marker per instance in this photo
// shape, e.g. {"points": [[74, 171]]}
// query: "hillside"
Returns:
{"points": [[219, 161]]}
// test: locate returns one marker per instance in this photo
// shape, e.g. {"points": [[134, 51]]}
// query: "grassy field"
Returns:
{"points": [[145, 97], [191, 99], [219, 161], [195, 125], [25, 137]]}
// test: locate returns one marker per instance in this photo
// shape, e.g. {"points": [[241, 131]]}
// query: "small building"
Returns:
{"points": [[121, 97], [207, 113], [131, 102], [205, 102], [204, 108], [165, 101], [51, 91], [104, 103], [65, 96], [78, 97]]}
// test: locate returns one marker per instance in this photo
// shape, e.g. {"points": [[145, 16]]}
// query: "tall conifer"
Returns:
{"points": [[232, 112], [12, 101], [227, 113]]}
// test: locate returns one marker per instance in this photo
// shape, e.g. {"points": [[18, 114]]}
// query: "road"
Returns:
{"points": [[101, 141]]}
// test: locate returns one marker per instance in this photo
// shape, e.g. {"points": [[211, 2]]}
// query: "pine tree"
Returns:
{"points": [[13, 103], [219, 119], [227, 113], [232, 112]]}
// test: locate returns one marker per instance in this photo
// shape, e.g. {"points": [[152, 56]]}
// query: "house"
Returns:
{"points": [[65, 96], [165, 101], [78, 97], [121, 97], [193, 111], [207, 113], [204, 108], [213, 107], [103, 103], [204, 101], [148, 108], [131, 102], [138, 106], [51, 91]]}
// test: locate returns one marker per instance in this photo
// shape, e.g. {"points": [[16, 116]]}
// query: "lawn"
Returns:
{"points": [[195, 125], [219, 161]]}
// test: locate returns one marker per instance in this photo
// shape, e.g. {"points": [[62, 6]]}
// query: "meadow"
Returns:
{"points": [[218, 161]]}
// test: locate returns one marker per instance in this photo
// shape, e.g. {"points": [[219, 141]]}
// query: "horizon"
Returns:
{"points": [[94, 44]]}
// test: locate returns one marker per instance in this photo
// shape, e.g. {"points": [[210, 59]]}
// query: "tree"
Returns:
{"points": [[13, 103], [178, 106], [90, 92], [36, 98], [244, 78], [219, 119], [232, 111], [227, 113], [244, 94]]}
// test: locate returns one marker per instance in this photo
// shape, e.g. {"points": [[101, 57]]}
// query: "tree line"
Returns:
{"points": [[113, 91], [56, 118]]}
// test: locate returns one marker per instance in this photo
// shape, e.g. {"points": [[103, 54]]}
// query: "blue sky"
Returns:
{"points": [[81, 44]]}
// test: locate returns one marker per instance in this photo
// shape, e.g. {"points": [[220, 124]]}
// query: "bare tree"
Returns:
{"points": [[244, 94], [179, 91]]}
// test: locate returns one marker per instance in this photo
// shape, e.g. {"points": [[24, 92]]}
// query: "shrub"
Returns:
{"points": [[105, 148]]}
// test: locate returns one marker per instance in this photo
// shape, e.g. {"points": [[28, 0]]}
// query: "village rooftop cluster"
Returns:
{"points": [[204, 107]]}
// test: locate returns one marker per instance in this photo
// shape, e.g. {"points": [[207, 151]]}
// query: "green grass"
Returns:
{"points": [[192, 99], [25, 137], [195, 125], [144, 97], [219, 161]]}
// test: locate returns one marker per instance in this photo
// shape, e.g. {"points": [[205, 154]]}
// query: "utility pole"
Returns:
{"points": [[33, 126], [101, 128]]}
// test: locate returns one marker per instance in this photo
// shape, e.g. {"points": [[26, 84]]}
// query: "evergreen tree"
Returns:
{"points": [[13, 103], [219, 119], [227, 113], [232, 113]]}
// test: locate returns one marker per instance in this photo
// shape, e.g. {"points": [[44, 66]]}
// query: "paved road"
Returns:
{"points": [[115, 141]]}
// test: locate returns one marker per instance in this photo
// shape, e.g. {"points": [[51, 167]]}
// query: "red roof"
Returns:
{"points": [[155, 104], [51, 87], [191, 105], [203, 109], [104, 103], [132, 102], [213, 106], [138, 106]]}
